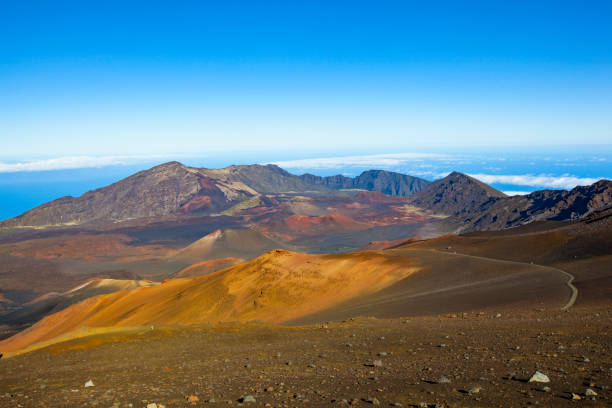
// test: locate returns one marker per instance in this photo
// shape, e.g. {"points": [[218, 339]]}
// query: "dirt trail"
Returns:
{"points": [[573, 289]]}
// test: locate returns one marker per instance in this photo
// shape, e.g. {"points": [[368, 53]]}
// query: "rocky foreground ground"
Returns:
{"points": [[477, 359]]}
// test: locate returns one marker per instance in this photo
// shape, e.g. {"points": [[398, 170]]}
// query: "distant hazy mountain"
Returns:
{"points": [[386, 182]]}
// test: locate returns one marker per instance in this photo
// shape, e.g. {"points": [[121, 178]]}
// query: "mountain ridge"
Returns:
{"points": [[382, 181], [173, 188], [250, 193]]}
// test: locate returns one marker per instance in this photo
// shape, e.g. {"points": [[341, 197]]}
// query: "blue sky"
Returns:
{"points": [[516, 92], [155, 78]]}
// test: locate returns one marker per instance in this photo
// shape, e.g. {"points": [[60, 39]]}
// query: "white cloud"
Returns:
{"points": [[72, 162], [555, 182], [515, 193], [373, 160]]}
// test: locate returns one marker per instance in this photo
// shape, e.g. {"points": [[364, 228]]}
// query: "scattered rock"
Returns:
{"points": [[539, 377], [576, 397], [590, 393], [443, 380], [89, 384], [247, 398]]}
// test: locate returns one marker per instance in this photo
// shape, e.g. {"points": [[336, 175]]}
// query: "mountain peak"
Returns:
{"points": [[170, 164], [455, 193]]}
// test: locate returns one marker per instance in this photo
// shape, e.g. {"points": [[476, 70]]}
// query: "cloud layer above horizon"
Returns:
{"points": [[494, 170]]}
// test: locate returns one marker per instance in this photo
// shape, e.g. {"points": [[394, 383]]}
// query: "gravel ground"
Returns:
{"points": [[473, 359]]}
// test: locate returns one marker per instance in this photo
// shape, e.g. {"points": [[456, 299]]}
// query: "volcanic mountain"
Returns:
{"points": [[228, 243], [474, 206], [454, 194], [386, 182], [557, 205], [162, 190], [173, 188], [275, 287]]}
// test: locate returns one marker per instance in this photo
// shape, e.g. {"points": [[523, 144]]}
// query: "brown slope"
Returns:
{"points": [[452, 283], [54, 302], [228, 243], [323, 224], [206, 267], [522, 267], [275, 287], [580, 247], [454, 194]]}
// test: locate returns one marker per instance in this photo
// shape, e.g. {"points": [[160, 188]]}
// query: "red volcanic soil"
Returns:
{"points": [[206, 267], [196, 203], [89, 247], [324, 223]]}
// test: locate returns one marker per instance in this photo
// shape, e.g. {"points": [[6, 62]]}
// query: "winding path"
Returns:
{"points": [[569, 283]]}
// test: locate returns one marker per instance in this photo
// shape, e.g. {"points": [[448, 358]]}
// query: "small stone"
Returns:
{"points": [[247, 398], [89, 384], [382, 353], [590, 393], [546, 389], [539, 377], [152, 405], [193, 398], [373, 401], [576, 397], [377, 363], [270, 389], [474, 390], [396, 404], [443, 380], [498, 315]]}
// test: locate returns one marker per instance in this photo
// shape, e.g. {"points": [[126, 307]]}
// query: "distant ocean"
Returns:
{"points": [[514, 170]]}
